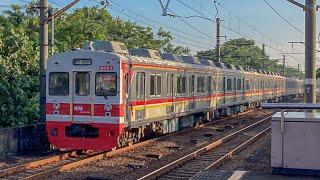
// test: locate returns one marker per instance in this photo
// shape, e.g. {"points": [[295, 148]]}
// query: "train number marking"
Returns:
{"points": [[105, 68]]}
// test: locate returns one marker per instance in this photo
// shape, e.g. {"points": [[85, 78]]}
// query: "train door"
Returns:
{"points": [[243, 89], [224, 90], [192, 91], [170, 88], [127, 97], [82, 108], [140, 113], [234, 89]]}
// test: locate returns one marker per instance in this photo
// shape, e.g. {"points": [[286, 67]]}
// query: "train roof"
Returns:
{"points": [[107, 46], [190, 59], [153, 56], [170, 57], [142, 52]]}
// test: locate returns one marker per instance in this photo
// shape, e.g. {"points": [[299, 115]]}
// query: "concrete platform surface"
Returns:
{"points": [[245, 175]]}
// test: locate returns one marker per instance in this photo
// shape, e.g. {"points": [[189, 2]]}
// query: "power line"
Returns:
{"points": [[25, 1], [249, 25], [153, 21], [192, 27], [236, 32], [52, 2], [121, 12], [290, 24]]}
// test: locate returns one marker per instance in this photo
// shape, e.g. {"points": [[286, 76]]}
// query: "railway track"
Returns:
{"points": [[211, 155], [49, 166]]}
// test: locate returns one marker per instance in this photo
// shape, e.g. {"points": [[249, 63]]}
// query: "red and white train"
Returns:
{"points": [[101, 97]]}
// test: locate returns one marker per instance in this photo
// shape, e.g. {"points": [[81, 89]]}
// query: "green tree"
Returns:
{"points": [[19, 51]]}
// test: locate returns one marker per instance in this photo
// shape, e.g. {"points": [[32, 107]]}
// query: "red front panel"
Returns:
{"points": [[106, 140]]}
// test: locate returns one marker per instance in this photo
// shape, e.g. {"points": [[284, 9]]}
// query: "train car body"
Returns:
{"points": [[101, 98]]}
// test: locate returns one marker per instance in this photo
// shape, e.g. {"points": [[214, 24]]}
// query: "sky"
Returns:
{"points": [[253, 19]]}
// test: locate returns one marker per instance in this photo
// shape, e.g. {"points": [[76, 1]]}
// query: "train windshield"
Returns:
{"points": [[59, 84], [106, 84]]}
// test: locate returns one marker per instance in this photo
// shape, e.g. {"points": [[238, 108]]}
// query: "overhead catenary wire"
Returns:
{"points": [[243, 35], [155, 22], [283, 18], [127, 15]]}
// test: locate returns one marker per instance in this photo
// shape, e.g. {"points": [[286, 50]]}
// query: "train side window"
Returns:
{"points": [[200, 84], [209, 84], [58, 84], [229, 84], [140, 85], [223, 84], [169, 84], [152, 84], [247, 84], [155, 84], [191, 84], [181, 84], [213, 85], [239, 84], [184, 84], [159, 85], [106, 84], [82, 84]]}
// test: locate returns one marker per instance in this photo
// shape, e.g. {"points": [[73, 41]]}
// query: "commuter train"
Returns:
{"points": [[105, 96]]}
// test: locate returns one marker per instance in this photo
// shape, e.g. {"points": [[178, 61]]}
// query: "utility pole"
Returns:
{"points": [[263, 55], [43, 56], [310, 50], [310, 9], [283, 65], [218, 53], [52, 33]]}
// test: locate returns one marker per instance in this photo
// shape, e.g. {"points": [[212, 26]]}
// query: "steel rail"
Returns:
{"points": [[100, 156], [197, 153], [34, 164]]}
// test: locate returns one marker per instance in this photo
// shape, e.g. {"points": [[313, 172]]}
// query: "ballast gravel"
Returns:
{"points": [[136, 163]]}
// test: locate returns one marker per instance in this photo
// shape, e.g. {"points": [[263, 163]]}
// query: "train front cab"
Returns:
{"points": [[83, 109]]}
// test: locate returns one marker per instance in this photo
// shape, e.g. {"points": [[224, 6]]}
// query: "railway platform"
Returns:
{"points": [[244, 175]]}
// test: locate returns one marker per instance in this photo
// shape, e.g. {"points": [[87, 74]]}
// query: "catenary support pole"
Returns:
{"points": [[218, 51], [43, 56], [310, 51]]}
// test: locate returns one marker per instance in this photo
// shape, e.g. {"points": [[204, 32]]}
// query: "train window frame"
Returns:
{"points": [[192, 84], [67, 86], [159, 85], [239, 85], [76, 89], [209, 84], [201, 84], [169, 84], [114, 92], [154, 86], [229, 84], [181, 84], [140, 85]]}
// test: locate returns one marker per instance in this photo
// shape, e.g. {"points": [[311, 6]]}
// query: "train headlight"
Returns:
{"points": [[56, 106], [107, 107], [56, 112]]}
